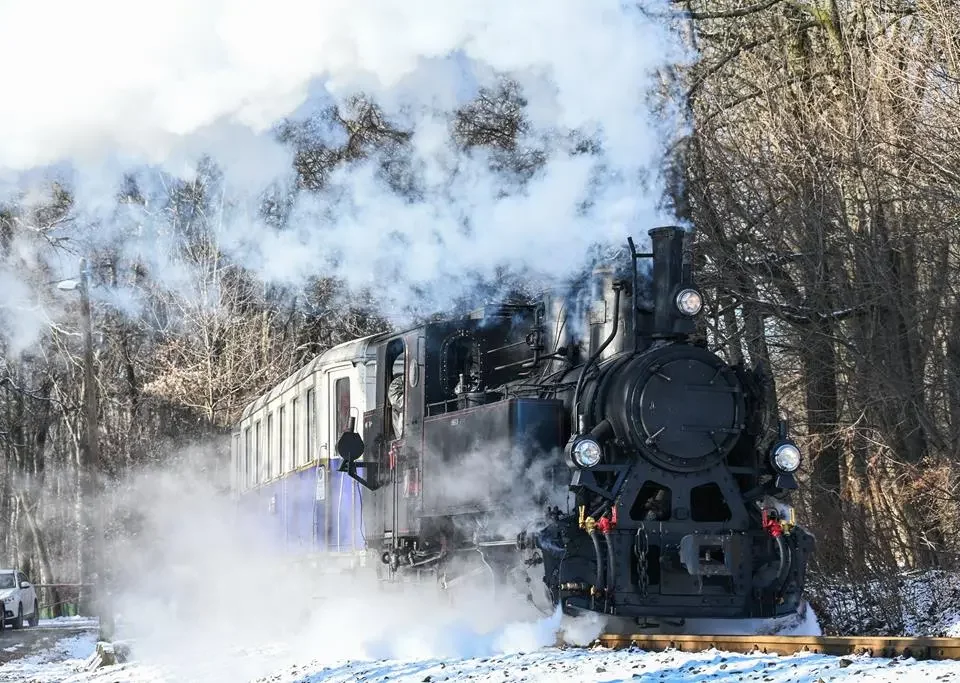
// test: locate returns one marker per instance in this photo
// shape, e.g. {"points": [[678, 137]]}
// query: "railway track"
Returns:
{"points": [[918, 648]]}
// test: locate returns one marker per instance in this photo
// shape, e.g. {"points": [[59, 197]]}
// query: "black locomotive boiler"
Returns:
{"points": [[587, 448]]}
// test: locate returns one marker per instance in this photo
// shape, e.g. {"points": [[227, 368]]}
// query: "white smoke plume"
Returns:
{"points": [[102, 90], [202, 592]]}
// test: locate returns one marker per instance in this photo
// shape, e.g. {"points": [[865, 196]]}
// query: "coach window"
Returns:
{"points": [[311, 424], [247, 457], [283, 443], [237, 461], [342, 392], [258, 453], [270, 450], [294, 433]]}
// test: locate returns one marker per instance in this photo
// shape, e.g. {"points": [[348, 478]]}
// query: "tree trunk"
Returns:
{"points": [[46, 571], [819, 367]]}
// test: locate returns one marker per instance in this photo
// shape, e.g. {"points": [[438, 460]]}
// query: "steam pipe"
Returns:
{"points": [[785, 561], [596, 553], [611, 567], [596, 354]]}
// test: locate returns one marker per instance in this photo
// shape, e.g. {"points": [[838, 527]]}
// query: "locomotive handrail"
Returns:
{"points": [[445, 402]]}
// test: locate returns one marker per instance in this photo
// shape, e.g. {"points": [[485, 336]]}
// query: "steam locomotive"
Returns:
{"points": [[586, 449]]}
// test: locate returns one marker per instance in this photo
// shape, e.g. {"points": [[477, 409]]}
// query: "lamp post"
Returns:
{"points": [[93, 527]]}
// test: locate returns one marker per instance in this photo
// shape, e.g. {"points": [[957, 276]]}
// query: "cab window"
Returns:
{"points": [[396, 387]]}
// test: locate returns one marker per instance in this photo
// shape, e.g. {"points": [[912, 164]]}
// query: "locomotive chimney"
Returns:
{"points": [[675, 300]]}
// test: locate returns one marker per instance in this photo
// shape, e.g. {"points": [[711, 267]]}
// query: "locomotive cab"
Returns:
{"points": [[441, 423]]}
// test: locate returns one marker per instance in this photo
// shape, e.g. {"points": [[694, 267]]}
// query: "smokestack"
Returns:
{"points": [[670, 276]]}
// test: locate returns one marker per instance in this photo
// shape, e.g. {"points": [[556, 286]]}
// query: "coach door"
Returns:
{"points": [[343, 518]]}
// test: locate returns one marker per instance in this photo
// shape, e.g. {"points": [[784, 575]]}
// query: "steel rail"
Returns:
{"points": [[875, 646]]}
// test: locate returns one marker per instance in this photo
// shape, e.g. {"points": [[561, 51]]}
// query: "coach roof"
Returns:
{"points": [[355, 351]]}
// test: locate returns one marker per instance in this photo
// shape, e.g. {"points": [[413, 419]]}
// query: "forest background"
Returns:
{"points": [[820, 171]]}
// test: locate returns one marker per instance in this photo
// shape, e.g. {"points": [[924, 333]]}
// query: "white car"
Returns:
{"points": [[18, 600]]}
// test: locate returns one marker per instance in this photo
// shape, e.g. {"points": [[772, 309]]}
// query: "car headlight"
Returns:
{"points": [[586, 453], [9, 598], [786, 457], [689, 301]]}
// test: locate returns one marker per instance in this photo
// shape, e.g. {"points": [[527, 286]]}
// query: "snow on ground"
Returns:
{"points": [[373, 652], [553, 664], [51, 665], [921, 603], [544, 664], [457, 653]]}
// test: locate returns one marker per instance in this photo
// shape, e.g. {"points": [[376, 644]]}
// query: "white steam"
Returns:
{"points": [[103, 89], [150, 81], [204, 593], [99, 91]]}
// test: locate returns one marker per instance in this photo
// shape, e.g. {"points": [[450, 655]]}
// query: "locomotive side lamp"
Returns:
{"points": [[586, 452], [786, 457], [350, 447], [689, 302]]}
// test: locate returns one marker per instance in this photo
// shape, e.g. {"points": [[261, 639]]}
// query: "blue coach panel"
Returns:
{"points": [[273, 494], [345, 532], [299, 493], [262, 515]]}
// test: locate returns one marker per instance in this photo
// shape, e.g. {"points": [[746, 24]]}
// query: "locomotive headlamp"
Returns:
{"points": [[786, 457], [689, 301], [586, 452]]}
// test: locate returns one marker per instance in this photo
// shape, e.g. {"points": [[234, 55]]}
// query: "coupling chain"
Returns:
{"points": [[641, 547]]}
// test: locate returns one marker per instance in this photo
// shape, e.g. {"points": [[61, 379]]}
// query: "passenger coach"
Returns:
{"points": [[284, 460]]}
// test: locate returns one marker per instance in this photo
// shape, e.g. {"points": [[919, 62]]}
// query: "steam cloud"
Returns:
{"points": [[203, 594], [100, 91], [105, 91]]}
